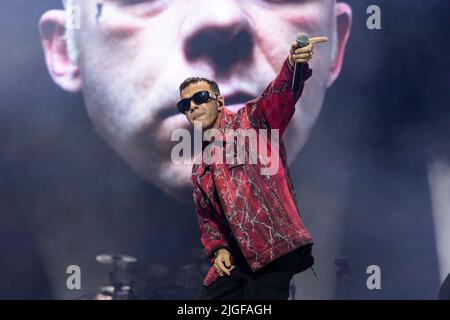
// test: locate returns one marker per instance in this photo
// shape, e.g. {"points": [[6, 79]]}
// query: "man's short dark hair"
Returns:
{"points": [[188, 81]]}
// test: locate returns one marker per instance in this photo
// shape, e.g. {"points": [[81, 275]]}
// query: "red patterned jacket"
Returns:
{"points": [[235, 200]]}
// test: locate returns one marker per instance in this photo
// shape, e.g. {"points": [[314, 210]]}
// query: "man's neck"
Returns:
{"points": [[216, 125]]}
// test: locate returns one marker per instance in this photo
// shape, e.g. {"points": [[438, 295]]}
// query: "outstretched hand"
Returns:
{"points": [[304, 54]]}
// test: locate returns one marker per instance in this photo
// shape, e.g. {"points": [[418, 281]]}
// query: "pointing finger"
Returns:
{"points": [[318, 40]]}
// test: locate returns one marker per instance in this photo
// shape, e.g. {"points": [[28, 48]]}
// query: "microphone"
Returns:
{"points": [[302, 41]]}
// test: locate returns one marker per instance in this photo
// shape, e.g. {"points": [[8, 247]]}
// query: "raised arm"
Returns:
{"points": [[277, 102]]}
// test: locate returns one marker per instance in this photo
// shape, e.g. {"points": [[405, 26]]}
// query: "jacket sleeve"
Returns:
{"points": [[277, 102], [211, 231]]}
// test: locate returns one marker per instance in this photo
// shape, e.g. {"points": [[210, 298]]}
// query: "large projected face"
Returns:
{"points": [[129, 62]]}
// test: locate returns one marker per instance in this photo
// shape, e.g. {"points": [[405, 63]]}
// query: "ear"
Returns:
{"points": [[64, 72], [221, 101], [343, 14]]}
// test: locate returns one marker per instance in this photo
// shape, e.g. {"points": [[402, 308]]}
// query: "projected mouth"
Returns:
{"points": [[168, 111], [237, 98]]}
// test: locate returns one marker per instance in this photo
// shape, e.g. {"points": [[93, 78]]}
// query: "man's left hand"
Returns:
{"points": [[305, 54]]}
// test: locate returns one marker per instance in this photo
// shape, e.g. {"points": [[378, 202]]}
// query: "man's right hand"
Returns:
{"points": [[223, 262]]}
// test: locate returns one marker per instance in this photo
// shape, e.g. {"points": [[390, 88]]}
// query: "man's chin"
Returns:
{"points": [[202, 123]]}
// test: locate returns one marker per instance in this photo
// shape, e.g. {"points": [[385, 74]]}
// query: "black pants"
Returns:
{"points": [[269, 283]]}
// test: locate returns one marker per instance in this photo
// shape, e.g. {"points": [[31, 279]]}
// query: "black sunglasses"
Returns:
{"points": [[198, 97]]}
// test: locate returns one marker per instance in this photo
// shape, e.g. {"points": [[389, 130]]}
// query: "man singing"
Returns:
{"points": [[249, 221]]}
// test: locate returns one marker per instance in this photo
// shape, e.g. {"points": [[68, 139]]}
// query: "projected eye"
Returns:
{"points": [[131, 2], [285, 1], [143, 7]]}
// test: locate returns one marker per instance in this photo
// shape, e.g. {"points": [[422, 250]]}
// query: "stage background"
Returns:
{"points": [[65, 196]]}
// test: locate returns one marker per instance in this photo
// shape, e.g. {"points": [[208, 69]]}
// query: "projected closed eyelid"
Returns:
{"points": [[144, 8], [288, 1], [132, 2]]}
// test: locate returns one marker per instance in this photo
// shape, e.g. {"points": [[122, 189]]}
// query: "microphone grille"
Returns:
{"points": [[302, 39]]}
